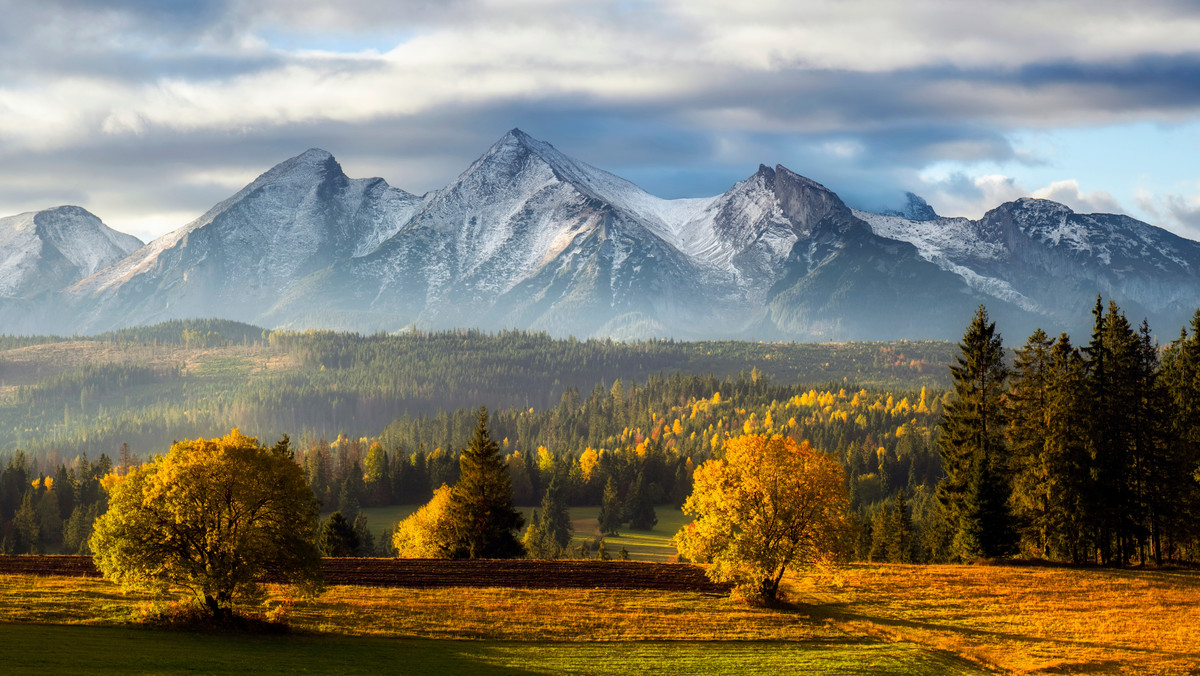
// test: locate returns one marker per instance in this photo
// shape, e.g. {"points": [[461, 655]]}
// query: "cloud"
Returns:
{"points": [[684, 95], [1185, 209], [1067, 192], [961, 195]]}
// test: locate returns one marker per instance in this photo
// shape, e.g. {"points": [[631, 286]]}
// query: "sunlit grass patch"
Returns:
{"points": [[1024, 619], [859, 619]]}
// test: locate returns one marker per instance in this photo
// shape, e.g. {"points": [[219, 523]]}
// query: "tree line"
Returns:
{"points": [[195, 378], [1082, 454]]}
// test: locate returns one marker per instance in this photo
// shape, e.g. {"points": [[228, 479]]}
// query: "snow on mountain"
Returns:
{"points": [[48, 250], [915, 208], [528, 237], [525, 236], [1049, 260], [297, 218]]}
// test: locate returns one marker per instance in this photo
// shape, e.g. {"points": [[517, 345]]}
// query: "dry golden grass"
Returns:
{"points": [[1023, 619], [1018, 620], [550, 615]]}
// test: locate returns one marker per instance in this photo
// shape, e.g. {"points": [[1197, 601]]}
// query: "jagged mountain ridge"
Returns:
{"points": [[1052, 262], [240, 256], [528, 237]]}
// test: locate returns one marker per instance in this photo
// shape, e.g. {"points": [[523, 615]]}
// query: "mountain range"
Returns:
{"points": [[530, 238]]}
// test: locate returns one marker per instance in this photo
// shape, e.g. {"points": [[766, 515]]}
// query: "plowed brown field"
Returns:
{"points": [[426, 573]]}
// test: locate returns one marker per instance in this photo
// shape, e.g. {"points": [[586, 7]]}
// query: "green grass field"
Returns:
{"points": [[50, 649], [652, 545]]}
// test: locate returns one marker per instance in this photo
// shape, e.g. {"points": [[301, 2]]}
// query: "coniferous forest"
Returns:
{"points": [[950, 453]]}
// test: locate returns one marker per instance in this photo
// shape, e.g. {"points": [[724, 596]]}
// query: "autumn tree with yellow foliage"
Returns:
{"points": [[213, 518], [771, 504], [427, 533]]}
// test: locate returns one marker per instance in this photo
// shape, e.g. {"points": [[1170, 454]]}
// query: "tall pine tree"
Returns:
{"points": [[1111, 390], [972, 443], [1034, 481], [1180, 471], [1066, 452], [481, 504], [610, 509]]}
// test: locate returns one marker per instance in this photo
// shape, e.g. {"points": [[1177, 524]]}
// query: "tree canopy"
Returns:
{"points": [[427, 533], [771, 504], [213, 517]]}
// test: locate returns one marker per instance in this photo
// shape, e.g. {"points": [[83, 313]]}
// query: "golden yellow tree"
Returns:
{"points": [[213, 517], [427, 533], [769, 505]]}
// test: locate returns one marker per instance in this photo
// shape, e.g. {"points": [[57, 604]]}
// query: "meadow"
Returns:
{"points": [[652, 545], [884, 618]]}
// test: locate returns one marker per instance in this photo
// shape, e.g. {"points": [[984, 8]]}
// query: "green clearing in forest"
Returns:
{"points": [[652, 545]]}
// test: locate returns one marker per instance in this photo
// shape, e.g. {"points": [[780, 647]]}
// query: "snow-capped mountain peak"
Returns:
{"points": [[530, 237], [50, 249], [915, 208]]}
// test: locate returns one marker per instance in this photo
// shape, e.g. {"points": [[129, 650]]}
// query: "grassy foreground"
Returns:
{"points": [[864, 619], [100, 650]]}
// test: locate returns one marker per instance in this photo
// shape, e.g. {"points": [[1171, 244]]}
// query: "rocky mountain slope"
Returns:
{"points": [[527, 237], [1052, 262], [48, 250]]}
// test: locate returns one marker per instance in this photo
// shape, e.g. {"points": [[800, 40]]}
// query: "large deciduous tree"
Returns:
{"points": [[213, 517], [771, 504]]}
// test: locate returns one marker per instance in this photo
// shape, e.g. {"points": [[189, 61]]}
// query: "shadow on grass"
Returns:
{"points": [[48, 649], [839, 612]]}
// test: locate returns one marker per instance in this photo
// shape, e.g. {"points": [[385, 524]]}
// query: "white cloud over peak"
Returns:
{"points": [[1067, 192]]}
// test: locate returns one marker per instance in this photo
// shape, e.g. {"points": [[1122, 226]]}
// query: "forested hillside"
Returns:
{"points": [[379, 419], [145, 387]]}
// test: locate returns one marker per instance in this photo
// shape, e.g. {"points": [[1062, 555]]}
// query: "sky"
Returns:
{"points": [[148, 112]]}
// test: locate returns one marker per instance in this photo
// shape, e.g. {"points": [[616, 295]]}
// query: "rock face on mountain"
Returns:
{"points": [[527, 237], [239, 257], [1052, 262]]}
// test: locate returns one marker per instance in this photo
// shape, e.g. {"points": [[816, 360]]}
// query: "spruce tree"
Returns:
{"points": [[1066, 453], [984, 526], [338, 537], [1034, 480], [610, 509], [1179, 492], [366, 539], [972, 442], [639, 511], [549, 534], [481, 505], [1111, 391], [881, 533], [900, 544]]}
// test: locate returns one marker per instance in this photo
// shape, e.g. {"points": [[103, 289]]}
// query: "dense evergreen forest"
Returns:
{"points": [[148, 386], [1085, 455], [379, 419]]}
